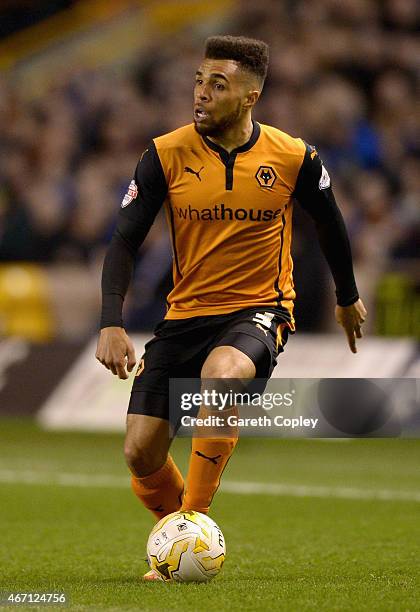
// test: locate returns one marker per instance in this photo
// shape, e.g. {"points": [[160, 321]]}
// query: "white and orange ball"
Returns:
{"points": [[186, 546]]}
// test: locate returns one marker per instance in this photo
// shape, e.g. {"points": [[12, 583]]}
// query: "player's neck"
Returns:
{"points": [[235, 136]]}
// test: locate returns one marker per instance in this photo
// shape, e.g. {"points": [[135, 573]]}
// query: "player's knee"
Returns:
{"points": [[226, 368], [218, 371], [142, 459], [227, 362]]}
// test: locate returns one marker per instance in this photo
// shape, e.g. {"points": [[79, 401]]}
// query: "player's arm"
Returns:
{"points": [[314, 192], [138, 210]]}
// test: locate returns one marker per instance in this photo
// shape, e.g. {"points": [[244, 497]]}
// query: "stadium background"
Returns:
{"points": [[84, 85]]}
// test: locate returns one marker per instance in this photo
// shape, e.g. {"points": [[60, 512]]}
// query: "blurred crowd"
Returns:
{"points": [[344, 75]]}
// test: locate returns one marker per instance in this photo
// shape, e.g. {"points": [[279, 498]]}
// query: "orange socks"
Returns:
{"points": [[161, 492], [208, 460]]}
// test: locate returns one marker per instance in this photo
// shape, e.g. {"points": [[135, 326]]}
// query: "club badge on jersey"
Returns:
{"points": [[131, 194]]}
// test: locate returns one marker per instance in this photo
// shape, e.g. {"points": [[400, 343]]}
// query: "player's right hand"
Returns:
{"points": [[116, 351]]}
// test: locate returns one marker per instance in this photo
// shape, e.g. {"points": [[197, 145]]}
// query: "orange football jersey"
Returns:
{"points": [[230, 220]]}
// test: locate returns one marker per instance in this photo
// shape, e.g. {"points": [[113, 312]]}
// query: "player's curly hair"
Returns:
{"points": [[250, 53]]}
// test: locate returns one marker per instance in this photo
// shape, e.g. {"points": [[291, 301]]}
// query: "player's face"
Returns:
{"points": [[220, 96]]}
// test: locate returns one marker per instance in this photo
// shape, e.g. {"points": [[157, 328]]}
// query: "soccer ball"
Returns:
{"points": [[186, 546]]}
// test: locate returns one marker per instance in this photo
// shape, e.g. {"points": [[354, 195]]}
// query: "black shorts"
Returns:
{"points": [[179, 349]]}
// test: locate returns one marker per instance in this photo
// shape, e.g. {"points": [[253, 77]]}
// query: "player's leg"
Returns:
{"points": [[155, 479], [147, 443], [209, 456]]}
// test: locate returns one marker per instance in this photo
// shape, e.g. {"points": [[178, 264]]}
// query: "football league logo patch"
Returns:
{"points": [[324, 181], [131, 194]]}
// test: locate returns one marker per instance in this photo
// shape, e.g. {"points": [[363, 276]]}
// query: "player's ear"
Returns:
{"points": [[251, 98]]}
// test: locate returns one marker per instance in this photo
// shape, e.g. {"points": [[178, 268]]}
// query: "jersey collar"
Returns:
{"points": [[245, 147]]}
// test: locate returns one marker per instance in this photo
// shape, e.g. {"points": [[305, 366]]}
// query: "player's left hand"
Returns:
{"points": [[351, 318]]}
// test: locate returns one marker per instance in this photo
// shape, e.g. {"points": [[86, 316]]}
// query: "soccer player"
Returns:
{"points": [[227, 184]]}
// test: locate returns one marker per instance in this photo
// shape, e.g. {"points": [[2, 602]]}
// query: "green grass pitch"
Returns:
{"points": [[284, 551]]}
